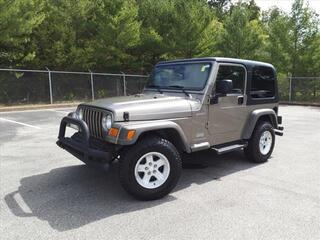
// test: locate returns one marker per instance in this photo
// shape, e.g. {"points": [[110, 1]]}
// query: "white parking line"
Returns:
{"points": [[25, 111], [21, 203], [41, 110], [58, 111], [20, 123]]}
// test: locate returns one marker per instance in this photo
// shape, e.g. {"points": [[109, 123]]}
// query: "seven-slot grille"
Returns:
{"points": [[93, 119]]}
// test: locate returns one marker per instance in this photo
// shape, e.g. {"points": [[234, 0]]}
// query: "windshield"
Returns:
{"points": [[189, 76]]}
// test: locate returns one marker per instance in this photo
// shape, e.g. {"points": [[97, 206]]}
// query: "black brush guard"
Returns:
{"points": [[82, 146]]}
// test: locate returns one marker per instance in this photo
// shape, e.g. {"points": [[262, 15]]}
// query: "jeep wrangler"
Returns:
{"points": [[188, 105]]}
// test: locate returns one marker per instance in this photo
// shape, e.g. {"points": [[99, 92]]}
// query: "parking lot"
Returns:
{"points": [[46, 193]]}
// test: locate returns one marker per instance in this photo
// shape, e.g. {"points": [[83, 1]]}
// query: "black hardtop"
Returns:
{"points": [[247, 63]]}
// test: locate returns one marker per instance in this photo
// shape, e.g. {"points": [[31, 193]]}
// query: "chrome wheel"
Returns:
{"points": [[265, 142], [152, 170]]}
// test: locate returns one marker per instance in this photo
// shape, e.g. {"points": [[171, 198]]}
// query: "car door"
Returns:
{"points": [[227, 113]]}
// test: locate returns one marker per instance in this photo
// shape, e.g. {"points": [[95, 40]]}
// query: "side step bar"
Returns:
{"points": [[225, 149]]}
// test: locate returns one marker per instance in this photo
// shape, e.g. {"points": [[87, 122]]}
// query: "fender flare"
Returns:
{"points": [[143, 127], [254, 117]]}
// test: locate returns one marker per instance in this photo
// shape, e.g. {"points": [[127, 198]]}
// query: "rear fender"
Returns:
{"points": [[254, 118]]}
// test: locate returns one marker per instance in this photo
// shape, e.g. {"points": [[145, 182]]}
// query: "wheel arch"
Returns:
{"points": [[165, 129], [268, 115]]}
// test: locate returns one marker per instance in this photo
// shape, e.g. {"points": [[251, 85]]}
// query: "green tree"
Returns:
{"points": [[277, 47], [254, 10], [220, 7], [64, 39], [177, 29], [17, 21], [194, 30], [313, 57], [118, 32], [241, 37], [113, 35], [303, 32], [84, 34]]}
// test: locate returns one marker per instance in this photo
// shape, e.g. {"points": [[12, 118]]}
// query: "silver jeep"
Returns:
{"points": [[188, 105]]}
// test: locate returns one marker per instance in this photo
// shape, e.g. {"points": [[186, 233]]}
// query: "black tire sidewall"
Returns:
{"points": [[130, 159], [253, 150]]}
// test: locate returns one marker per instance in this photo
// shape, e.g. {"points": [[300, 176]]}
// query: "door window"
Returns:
{"points": [[236, 74]]}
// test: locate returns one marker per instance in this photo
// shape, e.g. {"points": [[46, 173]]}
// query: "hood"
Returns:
{"points": [[146, 106]]}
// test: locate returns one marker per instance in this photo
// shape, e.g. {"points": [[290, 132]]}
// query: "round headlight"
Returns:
{"points": [[80, 114], [106, 122]]}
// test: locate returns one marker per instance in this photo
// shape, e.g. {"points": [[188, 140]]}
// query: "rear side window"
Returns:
{"points": [[263, 82]]}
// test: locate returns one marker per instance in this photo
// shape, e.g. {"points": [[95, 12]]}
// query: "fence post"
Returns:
{"points": [[124, 84], [314, 89], [50, 85], [290, 88], [92, 87]]}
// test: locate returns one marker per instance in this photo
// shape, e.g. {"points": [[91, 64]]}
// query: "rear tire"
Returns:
{"points": [[261, 143], [150, 169]]}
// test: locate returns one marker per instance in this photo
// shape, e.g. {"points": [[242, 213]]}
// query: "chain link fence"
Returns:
{"points": [[19, 86], [299, 89]]}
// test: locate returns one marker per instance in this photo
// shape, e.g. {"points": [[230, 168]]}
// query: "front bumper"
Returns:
{"points": [[89, 150]]}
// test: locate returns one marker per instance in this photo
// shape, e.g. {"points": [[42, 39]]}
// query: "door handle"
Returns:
{"points": [[240, 100]]}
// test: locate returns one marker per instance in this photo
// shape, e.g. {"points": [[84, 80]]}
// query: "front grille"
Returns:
{"points": [[93, 119]]}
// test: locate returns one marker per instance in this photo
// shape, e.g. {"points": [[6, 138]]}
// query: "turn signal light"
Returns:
{"points": [[113, 132], [131, 134]]}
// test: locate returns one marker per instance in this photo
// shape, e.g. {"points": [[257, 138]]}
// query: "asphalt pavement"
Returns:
{"points": [[48, 194]]}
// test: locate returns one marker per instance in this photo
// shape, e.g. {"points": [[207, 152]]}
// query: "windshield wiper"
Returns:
{"points": [[156, 87], [180, 87]]}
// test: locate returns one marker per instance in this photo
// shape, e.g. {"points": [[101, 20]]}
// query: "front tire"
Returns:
{"points": [[150, 169], [261, 143]]}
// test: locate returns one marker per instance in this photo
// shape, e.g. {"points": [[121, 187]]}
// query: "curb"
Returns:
{"points": [[300, 104], [62, 105], [37, 107]]}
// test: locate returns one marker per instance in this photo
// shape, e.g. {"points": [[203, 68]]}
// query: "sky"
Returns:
{"points": [[286, 4]]}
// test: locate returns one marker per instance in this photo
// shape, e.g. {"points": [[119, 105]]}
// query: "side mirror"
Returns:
{"points": [[224, 86]]}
